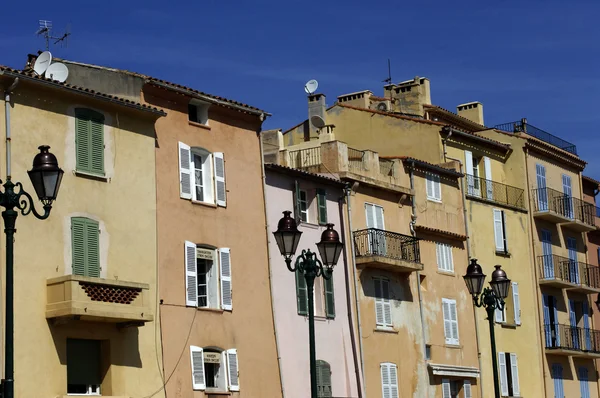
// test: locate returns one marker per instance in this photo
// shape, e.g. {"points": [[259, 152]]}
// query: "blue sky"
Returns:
{"points": [[534, 59]]}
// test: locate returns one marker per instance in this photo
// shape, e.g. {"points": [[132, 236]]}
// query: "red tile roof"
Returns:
{"points": [[298, 172], [435, 167], [590, 179], [414, 119], [442, 232]]}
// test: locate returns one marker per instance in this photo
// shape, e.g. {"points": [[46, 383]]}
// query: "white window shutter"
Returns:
{"points": [[191, 279], [503, 374], [385, 380], [379, 217], [225, 268], [498, 230], [379, 319], [467, 389], [498, 315], [197, 358], [516, 302], [185, 171], [393, 381], [446, 390], [220, 179], [429, 185], [387, 306], [232, 370], [489, 185], [454, 319], [447, 321], [440, 257], [370, 215], [437, 187], [514, 371]]}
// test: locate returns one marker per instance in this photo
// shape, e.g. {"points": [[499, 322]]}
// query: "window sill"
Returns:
{"points": [[454, 346], [434, 200], [508, 325], [310, 225], [210, 392], [447, 273], [91, 176], [217, 310], [381, 329], [502, 254], [196, 124], [207, 204]]}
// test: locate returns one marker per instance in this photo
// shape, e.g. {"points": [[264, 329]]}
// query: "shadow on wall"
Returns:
{"points": [[399, 284]]}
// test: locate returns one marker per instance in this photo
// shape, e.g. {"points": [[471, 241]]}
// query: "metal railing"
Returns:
{"points": [[495, 192], [377, 242], [524, 127], [386, 167], [568, 270], [568, 337], [356, 160], [306, 159], [548, 199]]}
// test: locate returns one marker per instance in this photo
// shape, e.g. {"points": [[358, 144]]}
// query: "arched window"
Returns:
{"points": [[323, 379]]}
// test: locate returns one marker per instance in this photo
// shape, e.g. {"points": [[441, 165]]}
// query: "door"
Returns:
{"points": [[573, 263], [547, 327], [542, 195], [473, 185], [574, 332], [568, 197], [376, 226], [547, 259]]}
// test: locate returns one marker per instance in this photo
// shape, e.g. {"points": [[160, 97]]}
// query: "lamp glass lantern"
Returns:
{"points": [[330, 247], [500, 283], [474, 278], [45, 175], [287, 235]]}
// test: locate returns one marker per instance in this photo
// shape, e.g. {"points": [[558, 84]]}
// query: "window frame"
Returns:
{"points": [[452, 309], [304, 214], [88, 225], [501, 223], [444, 253], [393, 389], [222, 281], [385, 302], [91, 117], [208, 183], [201, 112], [432, 180], [88, 386], [213, 289]]}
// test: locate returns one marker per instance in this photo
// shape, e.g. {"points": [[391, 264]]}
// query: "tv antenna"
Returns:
{"points": [[389, 78], [45, 30]]}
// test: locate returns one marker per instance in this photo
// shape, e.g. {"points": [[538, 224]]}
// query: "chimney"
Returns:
{"points": [[359, 99], [411, 95], [472, 111], [316, 110]]}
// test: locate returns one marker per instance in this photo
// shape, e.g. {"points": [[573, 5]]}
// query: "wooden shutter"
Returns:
{"points": [[385, 380], [449, 258], [469, 162], [379, 318], [498, 315], [516, 302], [85, 241], [503, 374], [301, 293], [197, 362], [393, 371], [489, 185], [429, 185], [191, 277], [447, 321], [225, 268], [92, 235], [557, 375], [514, 372], [446, 390], [437, 187], [82, 142], [89, 141], [498, 230], [454, 319], [323, 380], [379, 223], [370, 215], [185, 171], [387, 306], [97, 143], [322, 205], [78, 246], [329, 298], [232, 370], [440, 257], [467, 389], [220, 179]]}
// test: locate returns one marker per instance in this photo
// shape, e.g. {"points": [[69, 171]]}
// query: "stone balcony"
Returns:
{"points": [[81, 298]]}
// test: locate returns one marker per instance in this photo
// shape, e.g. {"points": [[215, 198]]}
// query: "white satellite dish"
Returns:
{"points": [[57, 71], [317, 121], [311, 86], [42, 62]]}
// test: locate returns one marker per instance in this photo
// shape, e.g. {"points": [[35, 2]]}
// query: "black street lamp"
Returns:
{"points": [[330, 248], [491, 299], [45, 176]]}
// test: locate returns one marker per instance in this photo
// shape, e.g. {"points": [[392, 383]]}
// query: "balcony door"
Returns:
{"points": [[472, 167], [542, 194], [573, 322], [376, 226], [551, 321], [568, 199], [547, 254], [573, 263]]}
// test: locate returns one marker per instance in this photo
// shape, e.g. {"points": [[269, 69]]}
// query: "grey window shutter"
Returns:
{"points": [[329, 298], [322, 205], [301, 293]]}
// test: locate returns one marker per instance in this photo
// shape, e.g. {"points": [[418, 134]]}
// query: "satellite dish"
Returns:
{"points": [[42, 62], [317, 121], [57, 71], [311, 86]]}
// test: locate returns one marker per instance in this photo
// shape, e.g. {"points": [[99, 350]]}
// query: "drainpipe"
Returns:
{"points": [[467, 232], [267, 232], [357, 301], [349, 296]]}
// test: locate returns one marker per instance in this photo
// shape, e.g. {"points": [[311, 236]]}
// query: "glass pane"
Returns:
{"points": [[198, 177]]}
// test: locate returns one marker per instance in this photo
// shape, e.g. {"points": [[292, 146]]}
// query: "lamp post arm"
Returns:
{"points": [[26, 204]]}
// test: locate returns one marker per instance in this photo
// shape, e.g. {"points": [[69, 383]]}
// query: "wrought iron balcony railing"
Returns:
{"points": [[523, 127], [377, 242], [495, 192], [568, 270], [572, 338], [548, 199]]}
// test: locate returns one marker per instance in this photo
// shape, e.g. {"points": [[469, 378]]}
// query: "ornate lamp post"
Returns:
{"points": [[330, 248], [491, 299], [45, 176]]}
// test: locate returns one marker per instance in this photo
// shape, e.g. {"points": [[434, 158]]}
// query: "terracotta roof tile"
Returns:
{"points": [[590, 179], [414, 119], [455, 115], [442, 232], [408, 159], [291, 170]]}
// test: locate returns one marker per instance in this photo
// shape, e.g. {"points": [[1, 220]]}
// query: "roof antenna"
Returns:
{"points": [[45, 30], [389, 78]]}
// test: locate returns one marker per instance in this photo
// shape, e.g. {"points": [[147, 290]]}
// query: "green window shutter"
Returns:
{"points": [[93, 249], [301, 293], [78, 245], [89, 141], [323, 379], [322, 205], [329, 298], [85, 238]]}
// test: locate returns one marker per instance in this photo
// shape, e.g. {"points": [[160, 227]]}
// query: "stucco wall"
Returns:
{"points": [[125, 205]]}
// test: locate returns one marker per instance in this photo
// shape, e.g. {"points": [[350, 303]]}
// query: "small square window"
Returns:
{"points": [[198, 112]]}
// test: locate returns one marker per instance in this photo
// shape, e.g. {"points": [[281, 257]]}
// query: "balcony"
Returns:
{"points": [[495, 192], [554, 206], [523, 127], [386, 250], [572, 341], [564, 273], [73, 297]]}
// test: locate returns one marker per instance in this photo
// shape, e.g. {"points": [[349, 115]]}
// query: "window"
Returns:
{"points": [[323, 296], [500, 316], [322, 205], [323, 380], [383, 306], [198, 112], [500, 231], [434, 187], [584, 387], [303, 205], [377, 242], [427, 352], [450, 321], [85, 245], [557, 376], [84, 363], [444, 257], [214, 370], [509, 374], [512, 308], [208, 277], [452, 388], [89, 141], [389, 380], [202, 175]]}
